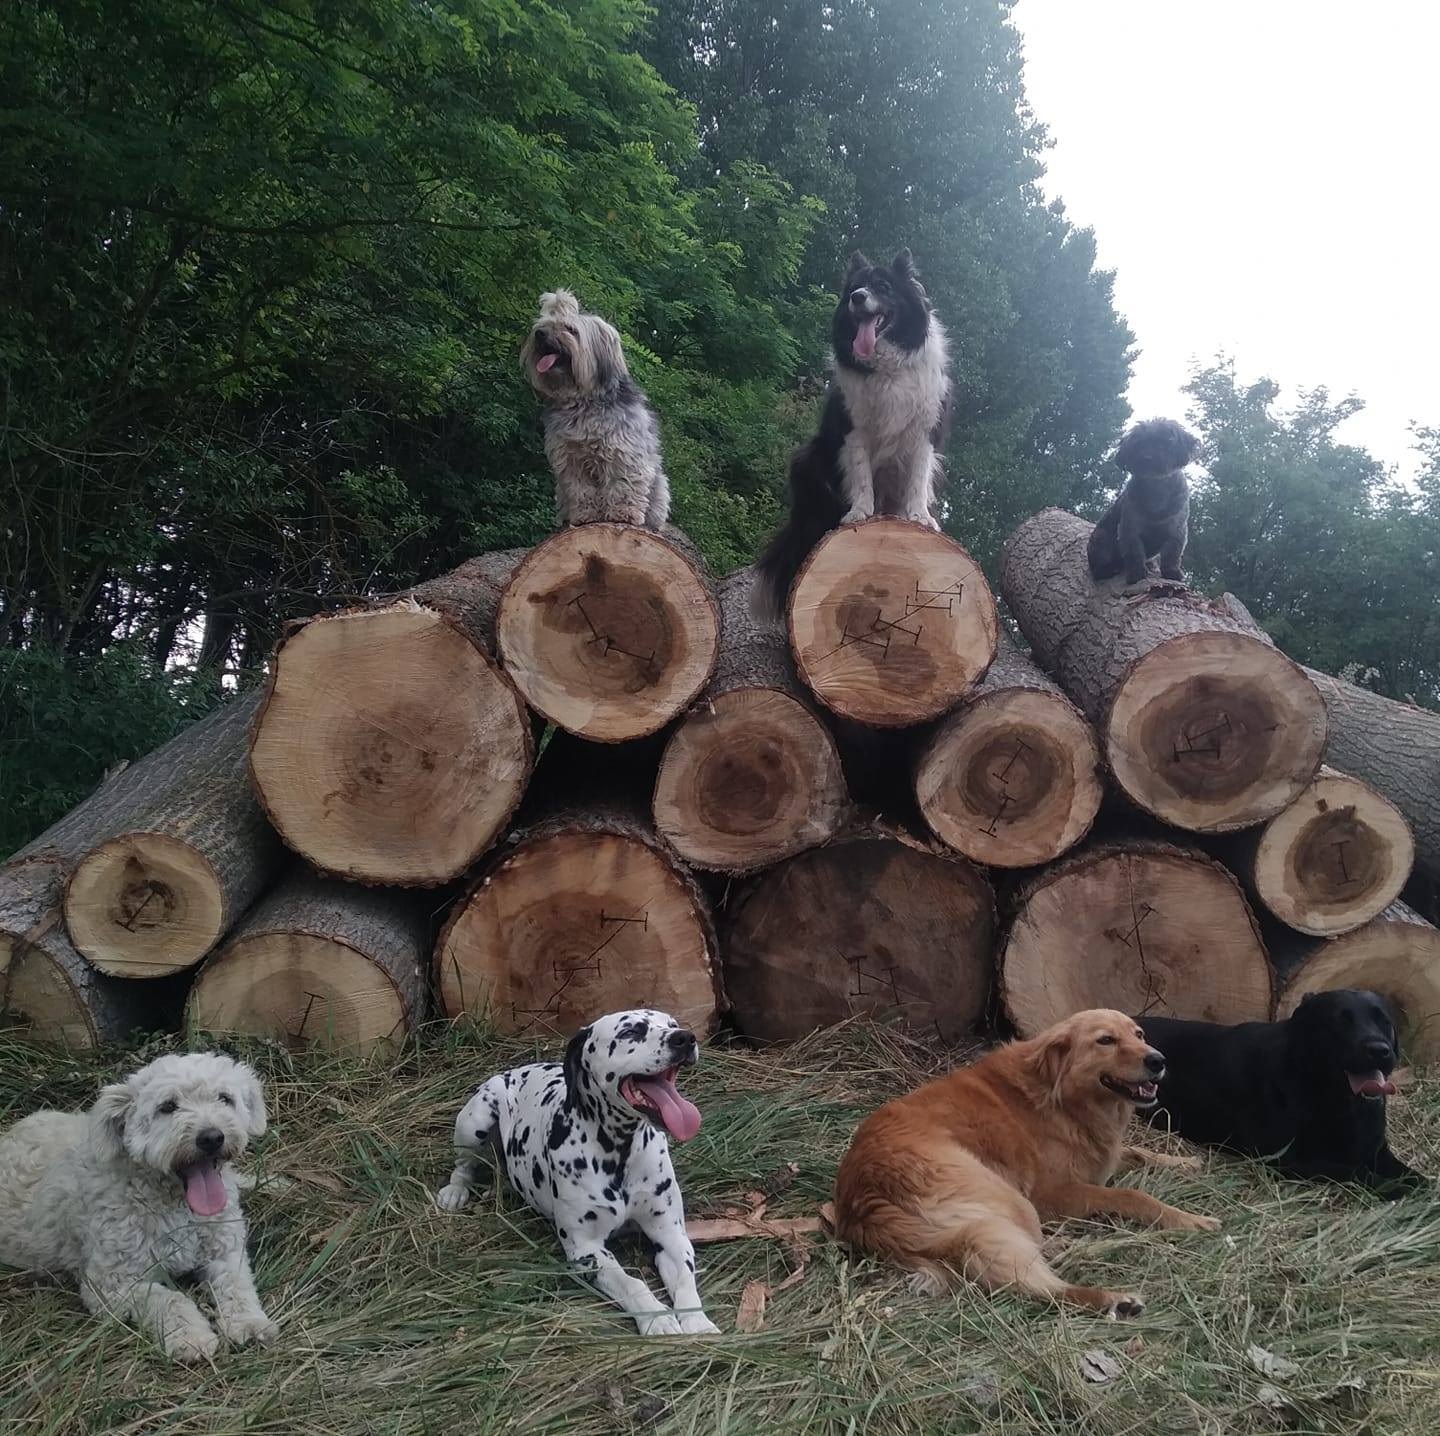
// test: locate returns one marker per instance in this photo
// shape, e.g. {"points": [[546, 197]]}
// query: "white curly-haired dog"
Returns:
{"points": [[584, 1142], [601, 437], [139, 1191]]}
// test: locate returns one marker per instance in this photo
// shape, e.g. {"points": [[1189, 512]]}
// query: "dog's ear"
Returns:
{"points": [[575, 1060], [252, 1100], [559, 304], [1050, 1058], [108, 1116], [904, 265], [857, 263], [607, 355]]}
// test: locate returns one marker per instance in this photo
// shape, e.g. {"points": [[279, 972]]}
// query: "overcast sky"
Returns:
{"points": [[1262, 176]]}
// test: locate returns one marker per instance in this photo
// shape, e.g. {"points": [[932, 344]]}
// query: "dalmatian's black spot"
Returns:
{"points": [[559, 1129], [662, 1187], [537, 1173]]}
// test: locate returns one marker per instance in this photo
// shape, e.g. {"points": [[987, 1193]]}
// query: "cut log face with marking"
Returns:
{"points": [[1139, 926], [610, 631], [877, 923], [1332, 860], [1396, 953], [891, 623], [1011, 779], [752, 775], [320, 963], [1205, 724], [585, 912], [391, 748]]}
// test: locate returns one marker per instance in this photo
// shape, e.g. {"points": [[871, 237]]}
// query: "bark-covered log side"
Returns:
{"points": [[469, 596], [752, 654]]}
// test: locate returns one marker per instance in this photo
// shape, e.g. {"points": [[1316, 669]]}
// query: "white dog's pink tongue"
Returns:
{"points": [[679, 1114], [1371, 1084], [865, 336], [204, 1190], [545, 363]]}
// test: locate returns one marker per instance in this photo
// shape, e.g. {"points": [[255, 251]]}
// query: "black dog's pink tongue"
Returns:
{"points": [[1371, 1084], [865, 337], [679, 1114], [204, 1190]]}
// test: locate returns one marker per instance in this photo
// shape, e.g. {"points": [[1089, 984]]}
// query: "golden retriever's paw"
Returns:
{"points": [[1178, 1221]]}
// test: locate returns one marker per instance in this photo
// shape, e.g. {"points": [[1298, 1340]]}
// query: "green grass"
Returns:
{"points": [[397, 1319]]}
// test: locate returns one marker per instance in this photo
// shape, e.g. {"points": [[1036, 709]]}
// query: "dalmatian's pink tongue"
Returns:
{"points": [[204, 1191], [545, 363], [679, 1114], [865, 337], [1370, 1084]]}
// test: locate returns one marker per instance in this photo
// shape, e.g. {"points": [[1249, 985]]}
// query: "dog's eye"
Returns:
{"points": [[166, 1108], [227, 1099], [1106, 1041]]}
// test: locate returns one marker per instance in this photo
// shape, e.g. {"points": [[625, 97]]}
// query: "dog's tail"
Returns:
{"points": [[815, 509]]}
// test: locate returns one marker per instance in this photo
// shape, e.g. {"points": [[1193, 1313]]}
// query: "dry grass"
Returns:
{"points": [[398, 1319]]}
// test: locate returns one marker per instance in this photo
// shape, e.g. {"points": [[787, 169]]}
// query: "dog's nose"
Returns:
{"points": [[1378, 1049], [210, 1140], [859, 298], [681, 1040], [1154, 1062]]}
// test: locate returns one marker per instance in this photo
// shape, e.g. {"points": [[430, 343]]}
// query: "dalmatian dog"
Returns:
{"points": [[585, 1142]]}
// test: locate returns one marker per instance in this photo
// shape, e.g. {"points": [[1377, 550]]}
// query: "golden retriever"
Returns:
{"points": [[957, 1175]]}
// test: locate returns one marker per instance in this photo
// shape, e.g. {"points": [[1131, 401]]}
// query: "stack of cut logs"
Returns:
{"points": [[582, 777]]}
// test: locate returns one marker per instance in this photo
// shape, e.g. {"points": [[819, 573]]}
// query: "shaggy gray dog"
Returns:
{"points": [[139, 1191], [601, 438]]}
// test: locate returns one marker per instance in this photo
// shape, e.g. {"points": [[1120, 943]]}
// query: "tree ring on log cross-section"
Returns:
{"points": [[1012, 779], [609, 631], [750, 778], [390, 748], [572, 925], [1143, 928], [1333, 859], [1214, 731], [144, 905], [891, 623]]}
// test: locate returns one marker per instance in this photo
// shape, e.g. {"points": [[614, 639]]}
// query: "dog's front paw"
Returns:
{"points": [[1177, 1221], [925, 519], [256, 1327], [662, 1323], [1125, 1304], [696, 1323], [195, 1342], [452, 1197], [857, 515]]}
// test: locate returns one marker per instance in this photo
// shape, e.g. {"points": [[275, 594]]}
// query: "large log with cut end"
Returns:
{"points": [[1142, 926], [46, 988], [752, 774], [1396, 954], [585, 911], [876, 922], [891, 623], [1204, 723], [165, 855], [610, 631], [1013, 777], [320, 962], [1331, 861], [391, 748]]}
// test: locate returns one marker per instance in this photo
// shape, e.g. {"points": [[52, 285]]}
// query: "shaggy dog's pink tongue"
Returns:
{"points": [[204, 1191], [545, 363], [1370, 1084], [679, 1114], [865, 337]]}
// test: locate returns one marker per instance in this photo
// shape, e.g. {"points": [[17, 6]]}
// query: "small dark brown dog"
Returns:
{"points": [[957, 1176]]}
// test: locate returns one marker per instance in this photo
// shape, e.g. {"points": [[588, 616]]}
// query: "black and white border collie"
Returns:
{"points": [[883, 425]]}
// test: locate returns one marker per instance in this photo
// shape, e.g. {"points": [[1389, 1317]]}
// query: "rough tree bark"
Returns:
{"points": [[585, 911], [391, 748], [321, 962], [166, 854], [891, 623], [1013, 777], [610, 631], [877, 921], [1331, 861], [752, 774], [1396, 954], [1204, 724], [1138, 925]]}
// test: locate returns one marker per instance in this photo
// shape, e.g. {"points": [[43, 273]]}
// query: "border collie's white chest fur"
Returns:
{"points": [[895, 406]]}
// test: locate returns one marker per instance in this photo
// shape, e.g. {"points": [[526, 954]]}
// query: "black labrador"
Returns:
{"points": [[1307, 1094]]}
